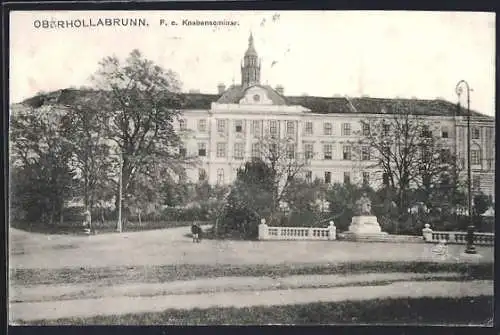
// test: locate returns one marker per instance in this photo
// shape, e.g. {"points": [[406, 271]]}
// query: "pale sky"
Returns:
{"points": [[379, 54]]}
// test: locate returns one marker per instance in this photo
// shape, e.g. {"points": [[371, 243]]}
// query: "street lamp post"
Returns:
{"points": [[470, 249]]}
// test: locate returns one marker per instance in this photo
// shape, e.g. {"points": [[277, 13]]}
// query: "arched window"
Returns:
{"points": [[220, 176]]}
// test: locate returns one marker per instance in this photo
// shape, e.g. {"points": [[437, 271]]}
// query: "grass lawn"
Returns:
{"points": [[165, 273], [463, 311]]}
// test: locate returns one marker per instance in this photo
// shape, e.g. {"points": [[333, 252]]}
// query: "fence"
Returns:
{"points": [[296, 233], [456, 237]]}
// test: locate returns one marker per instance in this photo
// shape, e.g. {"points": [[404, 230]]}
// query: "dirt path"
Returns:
{"points": [[172, 246], [124, 305], [39, 293]]}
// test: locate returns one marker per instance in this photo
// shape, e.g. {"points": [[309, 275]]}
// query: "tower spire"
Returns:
{"points": [[250, 69]]}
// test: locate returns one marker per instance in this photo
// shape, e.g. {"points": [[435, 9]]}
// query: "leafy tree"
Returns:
{"points": [[202, 192], [174, 194], [83, 127], [141, 101], [250, 199], [42, 177], [307, 203], [481, 203], [302, 196]]}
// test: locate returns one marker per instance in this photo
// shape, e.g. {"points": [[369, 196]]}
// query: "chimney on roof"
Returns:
{"points": [[221, 88], [280, 89]]}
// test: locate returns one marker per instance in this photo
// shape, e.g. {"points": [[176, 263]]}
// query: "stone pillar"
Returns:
{"points": [[332, 231], [427, 233], [300, 146], [212, 138], [281, 128], [310, 233], [248, 139], [263, 233]]}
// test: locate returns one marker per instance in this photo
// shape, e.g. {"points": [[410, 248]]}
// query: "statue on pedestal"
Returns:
{"points": [[363, 206], [364, 222]]}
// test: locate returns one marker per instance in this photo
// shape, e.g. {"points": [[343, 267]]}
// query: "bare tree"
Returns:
{"points": [[405, 152], [285, 162]]}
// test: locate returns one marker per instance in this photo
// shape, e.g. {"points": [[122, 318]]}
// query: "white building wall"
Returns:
{"points": [[318, 166]]}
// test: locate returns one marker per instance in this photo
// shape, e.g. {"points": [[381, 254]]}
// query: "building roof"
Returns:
{"points": [[234, 94], [70, 96], [320, 105], [366, 105]]}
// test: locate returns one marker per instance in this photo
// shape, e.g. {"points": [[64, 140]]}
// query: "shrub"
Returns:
{"points": [[302, 219], [238, 223], [461, 222], [74, 215]]}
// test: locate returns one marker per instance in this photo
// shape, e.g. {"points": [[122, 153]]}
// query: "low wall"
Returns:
{"points": [[297, 233], [456, 237]]}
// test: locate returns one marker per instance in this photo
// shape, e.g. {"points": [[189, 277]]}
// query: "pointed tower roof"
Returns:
{"points": [[251, 49]]}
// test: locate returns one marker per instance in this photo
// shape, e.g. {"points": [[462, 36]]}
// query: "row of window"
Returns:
{"points": [[290, 126], [256, 127], [202, 176], [347, 177], [239, 151]]}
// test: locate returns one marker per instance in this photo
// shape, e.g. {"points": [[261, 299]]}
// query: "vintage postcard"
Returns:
{"points": [[251, 167]]}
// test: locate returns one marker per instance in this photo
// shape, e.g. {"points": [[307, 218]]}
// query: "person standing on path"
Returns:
{"points": [[195, 231]]}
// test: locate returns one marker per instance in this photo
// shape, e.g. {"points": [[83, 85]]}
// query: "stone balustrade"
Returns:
{"points": [[456, 237], [296, 233]]}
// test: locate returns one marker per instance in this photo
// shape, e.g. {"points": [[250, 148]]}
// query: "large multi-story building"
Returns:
{"points": [[223, 130]]}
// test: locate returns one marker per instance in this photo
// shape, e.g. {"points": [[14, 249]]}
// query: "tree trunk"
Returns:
{"points": [[52, 216], [102, 215], [86, 199]]}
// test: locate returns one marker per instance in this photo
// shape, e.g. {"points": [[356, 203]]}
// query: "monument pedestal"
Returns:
{"points": [[365, 227]]}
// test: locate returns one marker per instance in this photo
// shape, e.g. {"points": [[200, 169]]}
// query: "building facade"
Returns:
{"points": [[224, 130]]}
